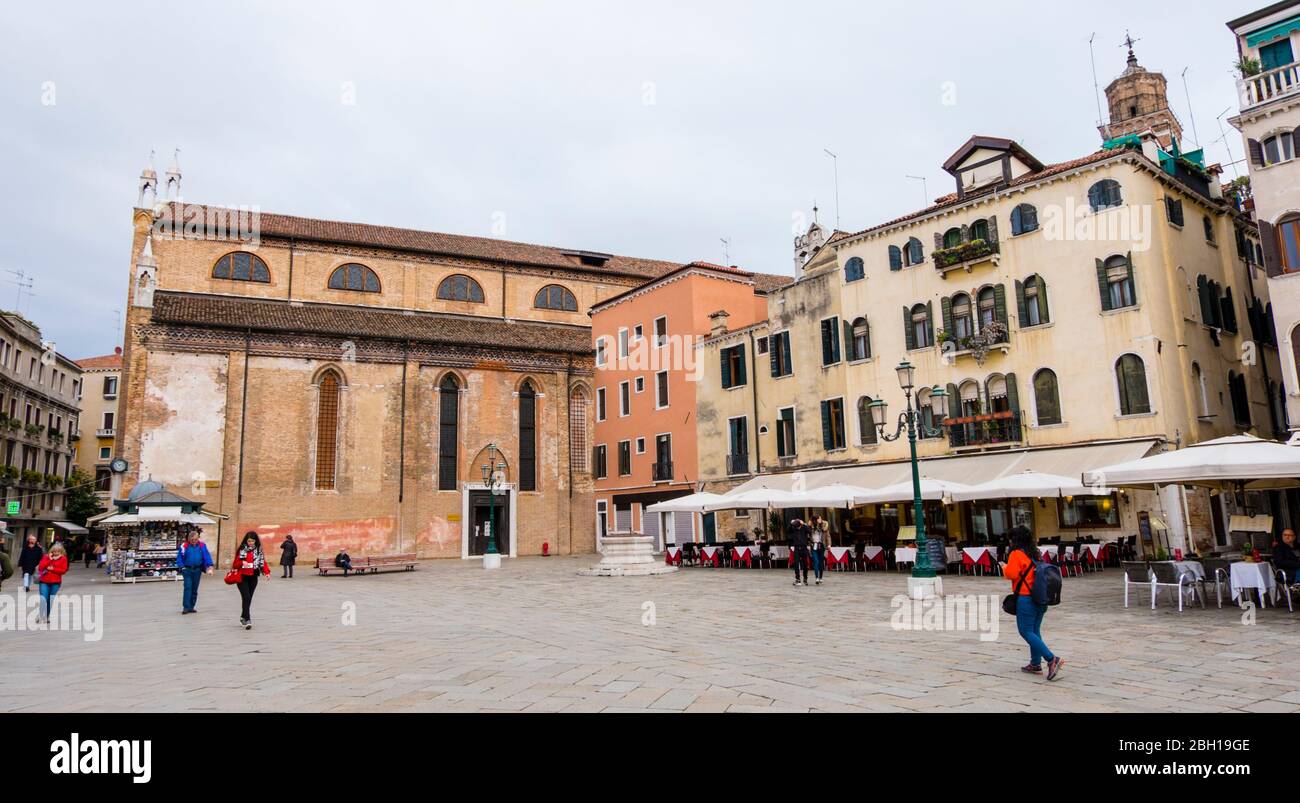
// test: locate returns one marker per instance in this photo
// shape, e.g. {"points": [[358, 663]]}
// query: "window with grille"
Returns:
{"points": [[557, 298], [327, 431], [460, 288], [241, 266], [448, 432], [354, 277], [578, 429], [527, 438]]}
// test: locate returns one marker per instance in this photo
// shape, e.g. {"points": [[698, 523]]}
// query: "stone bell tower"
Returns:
{"points": [[1138, 101]]}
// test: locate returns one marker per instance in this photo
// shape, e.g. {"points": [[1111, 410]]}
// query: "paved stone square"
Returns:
{"points": [[536, 637]]}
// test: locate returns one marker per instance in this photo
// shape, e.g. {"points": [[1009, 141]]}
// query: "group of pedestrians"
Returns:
{"points": [[46, 569], [249, 565], [808, 542]]}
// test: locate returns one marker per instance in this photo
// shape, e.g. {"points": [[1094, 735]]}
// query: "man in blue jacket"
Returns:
{"points": [[193, 559]]}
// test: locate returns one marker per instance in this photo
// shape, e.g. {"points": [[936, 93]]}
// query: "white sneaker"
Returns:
{"points": [[819, 582], [798, 584]]}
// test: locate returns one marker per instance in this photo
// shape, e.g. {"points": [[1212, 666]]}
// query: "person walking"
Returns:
{"points": [[6, 563], [820, 532], [251, 563], [288, 556], [50, 572], [28, 560], [88, 552], [1029, 614], [193, 559], [799, 551]]}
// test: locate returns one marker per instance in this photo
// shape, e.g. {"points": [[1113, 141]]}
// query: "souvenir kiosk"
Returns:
{"points": [[145, 531]]}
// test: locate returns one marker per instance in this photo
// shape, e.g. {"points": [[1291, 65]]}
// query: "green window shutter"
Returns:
{"points": [[1044, 311], [907, 329], [773, 347], [780, 437], [830, 341], [726, 369], [1202, 294], [835, 339], [1133, 278], [786, 367], [954, 401], [1013, 394], [945, 308], [1021, 315], [1000, 304], [741, 378], [827, 443], [1103, 286], [929, 322], [850, 352]]}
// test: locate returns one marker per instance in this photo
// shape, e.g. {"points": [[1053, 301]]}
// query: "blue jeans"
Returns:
{"points": [[1029, 621], [191, 576], [819, 562], [48, 592]]}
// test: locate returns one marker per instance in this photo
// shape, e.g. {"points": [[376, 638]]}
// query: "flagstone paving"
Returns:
{"points": [[536, 637]]}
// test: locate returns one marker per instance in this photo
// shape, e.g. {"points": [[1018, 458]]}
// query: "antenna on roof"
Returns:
{"points": [[1226, 144], [726, 251], [836, 161], [925, 190], [1096, 83], [23, 282], [1190, 110]]}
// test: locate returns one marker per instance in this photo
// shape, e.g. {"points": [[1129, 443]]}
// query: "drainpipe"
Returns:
{"points": [[753, 389], [243, 417]]}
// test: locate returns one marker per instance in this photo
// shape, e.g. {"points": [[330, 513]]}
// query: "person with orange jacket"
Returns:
{"points": [[50, 573], [1029, 614]]}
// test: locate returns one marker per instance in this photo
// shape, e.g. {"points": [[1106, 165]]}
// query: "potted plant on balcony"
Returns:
{"points": [[9, 474], [53, 481], [30, 477], [56, 437], [1248, 67], [15, 425], [34, 430]]}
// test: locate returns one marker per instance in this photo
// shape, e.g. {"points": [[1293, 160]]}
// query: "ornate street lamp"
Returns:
{"points": [[911, 422], [492, 478]]}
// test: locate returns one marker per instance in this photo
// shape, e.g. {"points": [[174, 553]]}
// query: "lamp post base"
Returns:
{"points": [[491, 561], [925, 587]]}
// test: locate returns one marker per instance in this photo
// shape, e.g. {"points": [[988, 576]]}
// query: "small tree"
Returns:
{"points": [[80, 502]]}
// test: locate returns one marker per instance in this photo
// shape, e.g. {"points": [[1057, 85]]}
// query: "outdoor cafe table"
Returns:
{"points": [[976, 554], [779, 552], [838, 555], [904, 555], [1246, 577], [744, 553], [874, 555], [673, 555], [711, 554]]}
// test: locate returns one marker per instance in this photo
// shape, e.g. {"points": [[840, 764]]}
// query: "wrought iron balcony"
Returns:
{"points": [[737, 465], [1256, 90], [663, 472], [990, 429]]}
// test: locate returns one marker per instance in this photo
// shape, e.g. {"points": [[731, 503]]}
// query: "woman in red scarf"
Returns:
{"points": [[251, 564], [50, 573]]}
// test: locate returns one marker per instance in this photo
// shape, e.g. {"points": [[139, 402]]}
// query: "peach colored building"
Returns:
{"points": [[646, 370]]}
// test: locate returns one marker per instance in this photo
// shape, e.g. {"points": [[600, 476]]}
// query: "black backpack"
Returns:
{"points": [[1045, 591]]}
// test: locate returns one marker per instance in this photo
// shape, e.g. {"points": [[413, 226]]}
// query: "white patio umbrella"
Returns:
{"points": [[833, 496], [695, 503], [765, 498], [931, 491], [1027, 485], [1224, 463]]}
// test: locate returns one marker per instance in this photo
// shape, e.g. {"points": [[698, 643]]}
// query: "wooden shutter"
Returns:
{"points": [[828, 442], [786, 367], [1132, 277], [1013, 394], [929, 322], [1044, 311], [773, 347], [850, 346], [907, 329], [1272, 253], [945, 308], [895, 258], [1295, 142], [1021, 312], [741, 376], [1202, 293], [1000, 304], [1256, 152], [1229, 310], [527, 439], [726, 369], [1103, 286]]}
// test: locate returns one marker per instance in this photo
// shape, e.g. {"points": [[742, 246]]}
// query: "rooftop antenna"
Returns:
{"points": [[1224, 138], [1190, 110], [1096, 83], [836, 161], [23, 282], [726, 251], [117, 324], [925, 189]]}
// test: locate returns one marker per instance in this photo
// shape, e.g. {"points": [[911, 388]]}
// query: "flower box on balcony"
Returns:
{"points": [[966, 254]]}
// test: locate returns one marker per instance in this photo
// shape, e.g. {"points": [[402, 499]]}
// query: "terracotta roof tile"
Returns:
{"points": [[107, 361], [264, 315]]}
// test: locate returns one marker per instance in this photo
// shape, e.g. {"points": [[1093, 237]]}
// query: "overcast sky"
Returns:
{"points": [[651, 129]]}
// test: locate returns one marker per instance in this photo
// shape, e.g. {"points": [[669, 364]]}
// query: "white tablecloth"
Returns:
{"points": [[953, 555], [871, 552], [709, 551], [1253, 576], [779, 552], [838, 552], [1196, 570], [1094, 549], [904, 555], [978, 552], [744, 551]]}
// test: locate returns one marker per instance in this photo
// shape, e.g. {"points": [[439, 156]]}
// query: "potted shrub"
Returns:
{"points": [[30, 477], [1249, 68], [34, 430]]}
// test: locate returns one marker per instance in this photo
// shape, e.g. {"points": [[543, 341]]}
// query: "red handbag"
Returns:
{"points": [[233, 576]]}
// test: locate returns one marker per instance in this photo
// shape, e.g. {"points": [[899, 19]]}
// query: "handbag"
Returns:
{"points": [[1011, 601], [233, 576]]}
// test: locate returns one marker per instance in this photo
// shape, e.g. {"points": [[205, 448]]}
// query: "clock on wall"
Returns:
{"points": [[119, 466]]}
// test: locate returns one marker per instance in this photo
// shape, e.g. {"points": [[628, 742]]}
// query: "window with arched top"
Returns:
{"points": [[1047, 398], [556, 297], [915, 252], [1115, 279], [856, 270], [963, 318], [867, 434], [1105, 194], [578, 428], [242, 266], [327, 430], [979, 230], [970, 398], [527, 437], [1033, 301], [1279, 148], [1288, 243], [354, 277], [1024, 219], [952, 238], [448, 431], [1202, 391], [460, 288], [1131, 378], [920, 335], [859, 340]]}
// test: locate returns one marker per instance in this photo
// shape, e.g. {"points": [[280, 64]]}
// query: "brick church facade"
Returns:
{"points": [[344, 382]]}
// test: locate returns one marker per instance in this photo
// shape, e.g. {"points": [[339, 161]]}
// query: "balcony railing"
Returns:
{"points": [[991, 429], [105, 433], [737, 465], [1266, 86], [966, 254], [663, 472]]}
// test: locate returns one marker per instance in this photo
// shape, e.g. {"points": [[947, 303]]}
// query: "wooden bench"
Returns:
{"points": [[371, 565]]}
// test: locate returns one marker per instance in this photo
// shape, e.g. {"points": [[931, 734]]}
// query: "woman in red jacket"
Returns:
{"points": [[50, 573], [251, 564]]}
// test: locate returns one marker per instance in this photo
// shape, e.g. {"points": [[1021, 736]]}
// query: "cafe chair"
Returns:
{"points": [[1285, 588], [1167, 575], [1070, 563], [1137, 574], [1219, 572]]}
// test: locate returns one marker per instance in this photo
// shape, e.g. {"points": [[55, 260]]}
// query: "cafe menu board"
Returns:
{"points": [[938, 554]]}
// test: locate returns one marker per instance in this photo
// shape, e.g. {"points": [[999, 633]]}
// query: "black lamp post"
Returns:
{"points": [[912, 423]]}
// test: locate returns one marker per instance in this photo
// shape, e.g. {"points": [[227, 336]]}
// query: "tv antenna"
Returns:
{"points": [[1096, 82], [1191, 111], [23, 282], [925, 190], [726, 251], [835, 160], [1227, 145]]}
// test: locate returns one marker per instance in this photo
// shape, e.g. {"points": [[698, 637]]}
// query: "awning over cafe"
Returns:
{"points": [[70, 528], [1070, 461]]}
